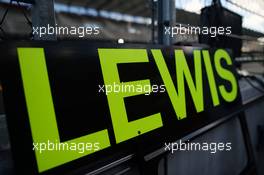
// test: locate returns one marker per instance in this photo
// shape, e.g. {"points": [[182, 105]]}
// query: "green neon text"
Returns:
{"points": [[42, 115], [41, 112]]}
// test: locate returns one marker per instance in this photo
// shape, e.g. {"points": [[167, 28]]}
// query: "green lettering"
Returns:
{"points": [[225, 74], [41, 112], [182, 70], [211, 78], [124, 130]]}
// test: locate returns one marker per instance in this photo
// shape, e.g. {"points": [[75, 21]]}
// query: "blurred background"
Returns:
{"points": [[134, 22]]}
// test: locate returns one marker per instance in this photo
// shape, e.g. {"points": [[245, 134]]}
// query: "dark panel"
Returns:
{"points": [[75, 73], [214, 16], [204, 162]]}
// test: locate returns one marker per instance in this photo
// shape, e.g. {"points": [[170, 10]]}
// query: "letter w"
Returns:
{"points": [[182, 70]]}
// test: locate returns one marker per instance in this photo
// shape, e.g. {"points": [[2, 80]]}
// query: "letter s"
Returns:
{"points": [[226, 75]]}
